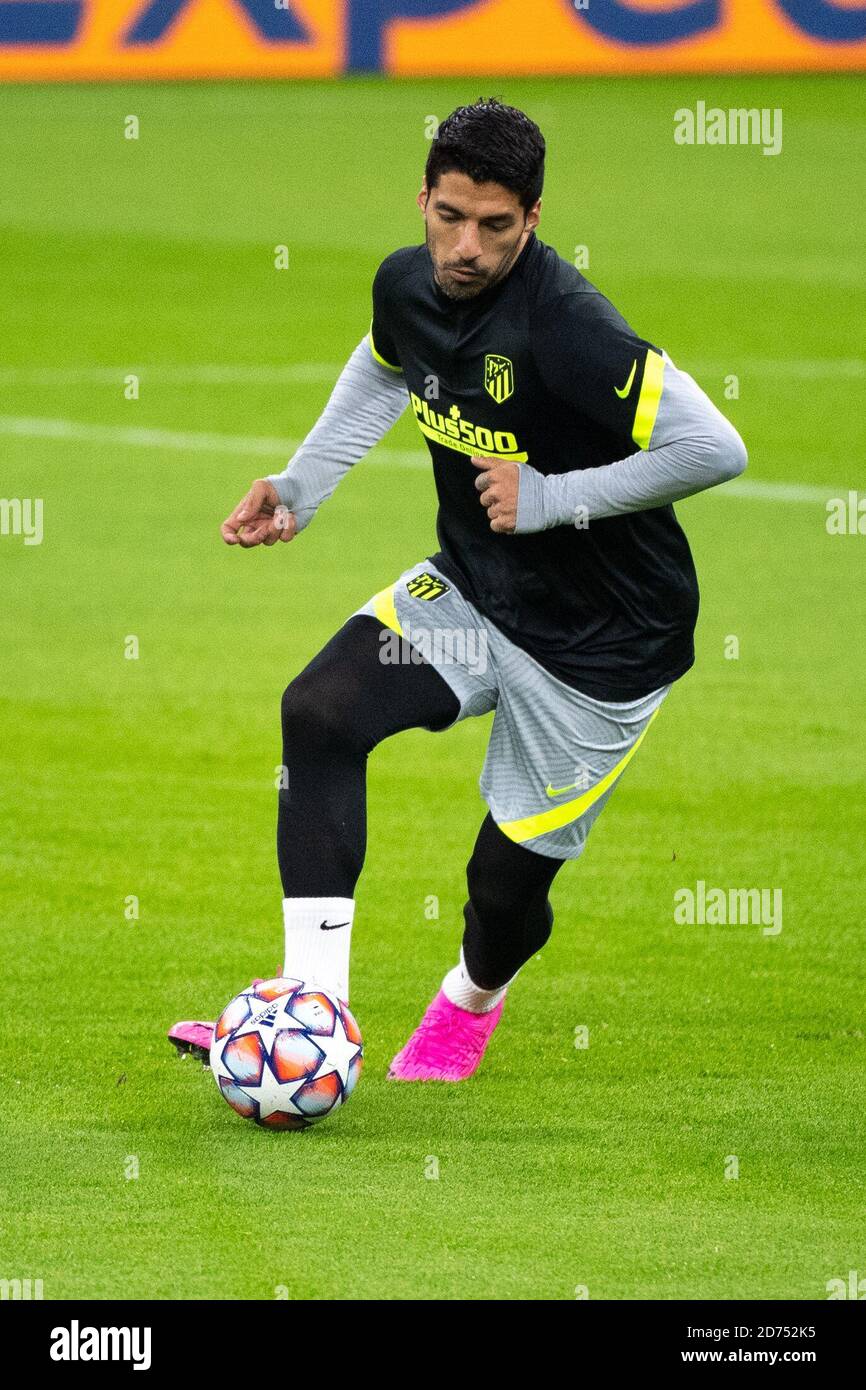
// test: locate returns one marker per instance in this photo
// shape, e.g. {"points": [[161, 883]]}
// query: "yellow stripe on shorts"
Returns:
{"points": [[385, 609], [530, 826]]}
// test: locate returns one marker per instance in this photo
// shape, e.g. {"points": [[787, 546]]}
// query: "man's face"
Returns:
{"points": [[475, 232]]}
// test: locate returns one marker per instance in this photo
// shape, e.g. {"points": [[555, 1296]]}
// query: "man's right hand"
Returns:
{"points": [[259, 519]]}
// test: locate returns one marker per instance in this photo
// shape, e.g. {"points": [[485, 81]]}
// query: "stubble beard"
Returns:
{"points": [[469, 290]]}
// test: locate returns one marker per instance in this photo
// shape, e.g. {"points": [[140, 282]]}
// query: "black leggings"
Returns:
{"points": [[334, 713]]}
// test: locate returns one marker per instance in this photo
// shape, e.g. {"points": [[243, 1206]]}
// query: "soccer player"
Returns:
{"points": [[563, 595]]}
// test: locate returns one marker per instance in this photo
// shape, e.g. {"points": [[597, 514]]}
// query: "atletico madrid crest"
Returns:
{"points": [[427, 586], [498, 377]]}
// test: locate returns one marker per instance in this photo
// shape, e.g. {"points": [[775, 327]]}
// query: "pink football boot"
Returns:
{"points": [[195, 1037], [447, 1045]]}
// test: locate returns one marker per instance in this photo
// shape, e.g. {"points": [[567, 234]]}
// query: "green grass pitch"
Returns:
{"points": [[559, 1168]]}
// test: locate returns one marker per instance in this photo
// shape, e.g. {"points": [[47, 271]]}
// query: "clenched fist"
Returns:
{"points": [[498, 483], [260, 519]]}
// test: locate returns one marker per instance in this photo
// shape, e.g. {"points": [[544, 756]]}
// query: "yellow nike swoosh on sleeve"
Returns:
{"points": [[625, 390]]}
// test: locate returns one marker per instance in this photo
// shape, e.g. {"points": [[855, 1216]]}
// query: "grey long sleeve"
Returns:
{"points": [[362, 407], [692, 447]]}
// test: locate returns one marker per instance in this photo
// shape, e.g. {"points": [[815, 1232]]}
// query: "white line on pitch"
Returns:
{"points": [[142, 436], [207, 374], [760, 491], [186, 441]]}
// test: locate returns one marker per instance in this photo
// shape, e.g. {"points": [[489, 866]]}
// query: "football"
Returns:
{"points": [[286, 1053]]}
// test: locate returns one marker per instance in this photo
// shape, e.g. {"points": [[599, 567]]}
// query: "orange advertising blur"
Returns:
{"points": [[124, 39]]}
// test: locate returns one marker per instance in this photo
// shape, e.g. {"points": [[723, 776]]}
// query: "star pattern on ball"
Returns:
{"points": [[269, 1019], [339, 1052], [275, 1095], [298, 1055]]}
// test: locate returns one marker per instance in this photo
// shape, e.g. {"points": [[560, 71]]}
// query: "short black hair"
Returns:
{"points": [[492, 143]]}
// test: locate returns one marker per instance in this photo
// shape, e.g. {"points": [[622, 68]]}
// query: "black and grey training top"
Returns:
{"points": [[597, 584]]}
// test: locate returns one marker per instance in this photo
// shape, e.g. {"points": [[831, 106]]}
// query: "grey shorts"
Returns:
{"points": [[554, 754]]}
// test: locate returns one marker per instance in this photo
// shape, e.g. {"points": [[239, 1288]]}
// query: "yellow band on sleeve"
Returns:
{"points": [[378, 356], [648, 401]]}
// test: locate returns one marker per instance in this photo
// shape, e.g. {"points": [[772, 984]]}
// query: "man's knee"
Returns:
{"points": [[314, 713]]}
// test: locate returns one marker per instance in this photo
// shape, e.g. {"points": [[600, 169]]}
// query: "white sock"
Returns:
{"points": [[459, 988], [318, 938]]}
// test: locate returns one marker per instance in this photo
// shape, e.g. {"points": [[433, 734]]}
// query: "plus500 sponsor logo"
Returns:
{"points": [[50, 23]]}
